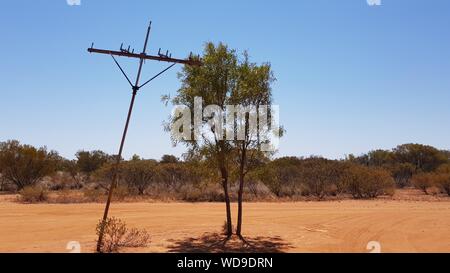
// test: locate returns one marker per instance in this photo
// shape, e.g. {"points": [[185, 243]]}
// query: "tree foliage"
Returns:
{"points": [[423, 157], [25, 165], [166, 159], [89, 161], [213, 82], [139, 174]]}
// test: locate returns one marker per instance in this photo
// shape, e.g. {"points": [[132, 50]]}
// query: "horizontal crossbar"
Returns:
{"points": [[145, 56]]}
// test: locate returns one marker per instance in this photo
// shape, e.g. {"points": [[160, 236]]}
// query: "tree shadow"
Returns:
{"points": [[217, 243]]}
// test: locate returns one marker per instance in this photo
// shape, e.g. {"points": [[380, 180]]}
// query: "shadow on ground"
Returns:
{"points": [[217, 243]]}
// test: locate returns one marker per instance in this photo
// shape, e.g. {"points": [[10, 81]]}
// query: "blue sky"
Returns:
{"points": [[350, 77]]}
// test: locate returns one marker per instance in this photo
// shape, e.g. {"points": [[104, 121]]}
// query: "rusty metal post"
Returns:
{"points": [[135, 89]]}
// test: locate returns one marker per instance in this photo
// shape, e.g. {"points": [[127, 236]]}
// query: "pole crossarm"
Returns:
{"points": [[145, 56]]}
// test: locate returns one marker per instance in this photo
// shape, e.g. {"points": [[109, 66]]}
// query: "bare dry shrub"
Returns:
{"points": [[117, 235], [120, 193], [443, 182], [93, 195], [64, 196], [62, 180], [67, 196], [33, 194], [423, 181], [205, 193], [191, 194]]}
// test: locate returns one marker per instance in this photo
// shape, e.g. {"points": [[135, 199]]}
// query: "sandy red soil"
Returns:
{"points": [[337, 226]]}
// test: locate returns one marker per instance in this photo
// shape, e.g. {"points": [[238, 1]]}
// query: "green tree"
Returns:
{"points": [[252, 92], [378, 158], [25, 165], [165, 159], [139, 174], [424, 158], [90, 161], [213, 82]]}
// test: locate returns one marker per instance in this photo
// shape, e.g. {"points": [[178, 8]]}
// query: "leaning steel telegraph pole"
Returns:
{"points": [[135, 88]]}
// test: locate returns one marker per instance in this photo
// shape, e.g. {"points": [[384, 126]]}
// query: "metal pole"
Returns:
{"points": [[119, 156]]}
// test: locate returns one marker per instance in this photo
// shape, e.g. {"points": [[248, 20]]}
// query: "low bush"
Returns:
{"points": [[63, 181], [117, 235], [191, 193], [365, 182], [442, 182], [402, 174], [423, 181], [93, 194], [444, 178], [121, 192], [33, 194], [65, 197]]}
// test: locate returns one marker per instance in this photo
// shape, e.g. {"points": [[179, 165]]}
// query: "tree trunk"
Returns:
{"points": [[224, 175], [239, 220], [241, 190]]}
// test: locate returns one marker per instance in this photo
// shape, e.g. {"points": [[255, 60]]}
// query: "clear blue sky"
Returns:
{"points": [[351, 77]]}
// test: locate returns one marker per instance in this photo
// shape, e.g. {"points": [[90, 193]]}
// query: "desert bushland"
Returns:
{"points": [[422, 158], [196, 178], [291, 177]]}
